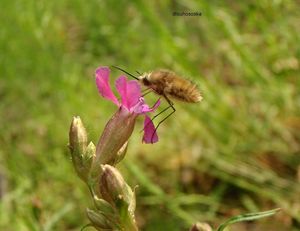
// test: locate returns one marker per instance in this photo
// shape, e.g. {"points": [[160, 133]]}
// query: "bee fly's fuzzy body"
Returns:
{"points": [[167, 83]]}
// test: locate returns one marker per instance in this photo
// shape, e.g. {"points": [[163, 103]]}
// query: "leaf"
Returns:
{"points": [[247, 217]]}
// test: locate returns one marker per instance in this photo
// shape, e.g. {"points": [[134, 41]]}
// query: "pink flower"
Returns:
{"points": [[120, 126], [131, 99]]}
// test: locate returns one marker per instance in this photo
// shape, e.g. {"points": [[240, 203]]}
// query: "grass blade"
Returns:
{"points": [[247, 217]]}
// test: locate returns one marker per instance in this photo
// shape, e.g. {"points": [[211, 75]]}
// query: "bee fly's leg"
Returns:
{"points": [[139, 73], [160, 112], [156, 116], [171, 105]]}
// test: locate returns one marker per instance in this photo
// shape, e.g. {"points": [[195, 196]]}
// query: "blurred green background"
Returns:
{"points": [[235, 152]]}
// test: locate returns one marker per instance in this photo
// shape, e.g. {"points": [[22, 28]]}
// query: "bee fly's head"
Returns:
{"points": [[145, 78]]}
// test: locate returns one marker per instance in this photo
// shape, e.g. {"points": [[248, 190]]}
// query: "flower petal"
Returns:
{"points": [[130, 91], [102, 82], [141, 107], [150, 135]]}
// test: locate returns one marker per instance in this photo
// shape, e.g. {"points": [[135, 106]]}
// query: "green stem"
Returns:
{"points": [[130, 225]]}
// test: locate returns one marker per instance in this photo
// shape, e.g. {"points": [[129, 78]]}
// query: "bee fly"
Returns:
{"points": [[168, 85]]}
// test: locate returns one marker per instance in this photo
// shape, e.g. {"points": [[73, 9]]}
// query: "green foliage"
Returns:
{"points": [[235, 152]]}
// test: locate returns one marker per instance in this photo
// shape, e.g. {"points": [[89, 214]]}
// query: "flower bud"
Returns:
{"points": [[99, 221], [103, 206], [82, 155], [199, 226], [114, 189], [87, 157], [77, 136]]}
